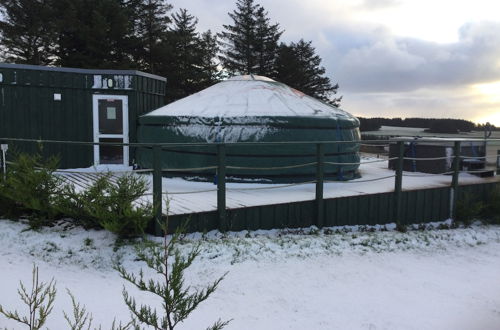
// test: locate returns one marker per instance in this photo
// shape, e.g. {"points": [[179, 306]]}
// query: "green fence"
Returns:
{"points": [[399, 206], [418, 206]]}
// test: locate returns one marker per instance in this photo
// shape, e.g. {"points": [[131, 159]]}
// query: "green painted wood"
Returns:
{"points": [[419, 200], [444, 205], [267, 214], [398, 182], [157, 190], [454, 181], [28, 92], [320, 169], [363, 210], [498, 162], [221, 187], [430, 209], [352, 210]]}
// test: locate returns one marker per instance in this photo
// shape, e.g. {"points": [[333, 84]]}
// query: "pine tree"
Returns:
{"points": [[249, 44], [26, 31], [181, 71], [191, 67], [267, 37], [151, 23], [208, 66], [92, 34], [299, 66]]}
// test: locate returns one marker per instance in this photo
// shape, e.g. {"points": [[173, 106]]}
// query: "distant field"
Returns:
{"points": [[493, 146]]}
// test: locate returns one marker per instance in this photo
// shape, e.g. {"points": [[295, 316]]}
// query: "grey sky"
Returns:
{"points": [[397, 58]]}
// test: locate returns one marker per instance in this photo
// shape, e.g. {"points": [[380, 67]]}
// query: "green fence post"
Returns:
{"points": [[498, 162], [454, 181], [157, 190], [398, 184], [320, 169], [221, 186]]}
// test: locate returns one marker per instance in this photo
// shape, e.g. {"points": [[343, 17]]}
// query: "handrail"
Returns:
{"points": [[321, 154], [270, 168], [205, 144]]}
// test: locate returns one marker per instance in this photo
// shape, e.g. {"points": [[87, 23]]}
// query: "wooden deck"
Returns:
{"points": [[184, 196]]}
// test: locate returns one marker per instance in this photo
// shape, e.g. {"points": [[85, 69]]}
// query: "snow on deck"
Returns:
{"points": [[185, 198], [237, 197]]}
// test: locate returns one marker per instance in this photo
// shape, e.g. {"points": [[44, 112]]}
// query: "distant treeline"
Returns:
{"points": [[432, 125]]}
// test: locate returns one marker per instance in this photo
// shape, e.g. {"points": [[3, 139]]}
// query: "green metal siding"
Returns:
{"points": [[28, 109], [419, 206]]}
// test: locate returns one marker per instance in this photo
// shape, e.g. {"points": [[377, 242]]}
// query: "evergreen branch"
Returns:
{"points": [[40, 302], [219, 325], [80, 315]]}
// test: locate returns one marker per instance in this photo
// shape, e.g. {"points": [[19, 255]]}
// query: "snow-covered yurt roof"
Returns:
{"points": [[252, 109], [249, 96]]}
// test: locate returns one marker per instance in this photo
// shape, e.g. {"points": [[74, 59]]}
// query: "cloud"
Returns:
{"points": [[376, 61], [381, 73], [378, 4], [430, 103]]}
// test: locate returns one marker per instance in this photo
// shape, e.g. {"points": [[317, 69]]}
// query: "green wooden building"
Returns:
{"points": [[67, 104]]}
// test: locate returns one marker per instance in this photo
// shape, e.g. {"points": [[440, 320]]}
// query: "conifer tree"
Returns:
{"points": [[151, 23], [299, 66], [39, 300], [191, 67], [181, 71], [267, 36], [178, 299], [208, 66], [26, 31], [92, 34], [249, 44]]}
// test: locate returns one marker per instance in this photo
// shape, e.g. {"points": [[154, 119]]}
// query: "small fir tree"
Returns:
{"points": [[31, 186], [109, 204], [178, 300], [40, 301], [81, 319]]}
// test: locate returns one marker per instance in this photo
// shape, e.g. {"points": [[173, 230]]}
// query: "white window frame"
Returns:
{"points": [[98, 136]]}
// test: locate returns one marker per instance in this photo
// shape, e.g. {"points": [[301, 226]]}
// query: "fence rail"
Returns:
{"points": [[221, 168]]}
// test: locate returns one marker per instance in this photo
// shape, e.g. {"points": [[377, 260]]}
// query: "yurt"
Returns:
{"points": [[252, 109]]}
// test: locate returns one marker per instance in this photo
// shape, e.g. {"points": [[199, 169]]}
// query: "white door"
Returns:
{"points": [[111, 125]]}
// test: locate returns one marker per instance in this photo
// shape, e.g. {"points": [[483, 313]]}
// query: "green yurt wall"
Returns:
{"points": [[251, 109]]}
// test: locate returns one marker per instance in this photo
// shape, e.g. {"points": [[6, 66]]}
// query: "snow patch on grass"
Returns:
{"points": [[98, 249], [331, 278]]}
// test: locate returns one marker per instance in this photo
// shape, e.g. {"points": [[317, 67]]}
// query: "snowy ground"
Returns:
{"points": [[339, 279]]}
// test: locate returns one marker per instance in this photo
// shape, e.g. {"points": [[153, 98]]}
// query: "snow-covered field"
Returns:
{"points": [[344, 278]]}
